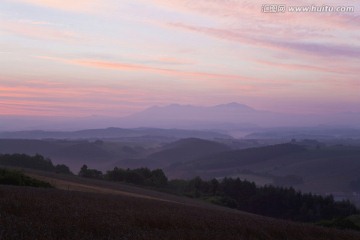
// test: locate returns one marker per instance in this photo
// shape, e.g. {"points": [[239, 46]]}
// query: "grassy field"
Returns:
{"points": [[102, 210], [28, 213]]}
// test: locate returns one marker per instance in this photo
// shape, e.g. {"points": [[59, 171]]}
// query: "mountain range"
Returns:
{"points": [[231, 116]]}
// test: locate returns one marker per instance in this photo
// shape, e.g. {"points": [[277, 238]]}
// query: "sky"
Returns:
{"points": [[116, 57]]}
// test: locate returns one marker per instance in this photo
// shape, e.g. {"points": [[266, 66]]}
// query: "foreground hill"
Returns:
{"points": [[29, 213]]}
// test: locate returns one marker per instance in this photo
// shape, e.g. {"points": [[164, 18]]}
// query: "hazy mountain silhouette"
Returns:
{"points": [[231, 116], [225, 116]]}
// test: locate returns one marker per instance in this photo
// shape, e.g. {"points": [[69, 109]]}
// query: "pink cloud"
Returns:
{"points": [[95, 63], [319, 68], [193, 81], [307, 48], [172, 60], [44, 98], [306, 34]]}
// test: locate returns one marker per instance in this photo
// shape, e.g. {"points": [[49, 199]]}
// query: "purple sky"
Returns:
{"points": [[113, 58]]}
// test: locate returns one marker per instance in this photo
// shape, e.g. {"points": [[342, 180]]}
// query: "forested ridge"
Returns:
{"points": [[278, 202]]}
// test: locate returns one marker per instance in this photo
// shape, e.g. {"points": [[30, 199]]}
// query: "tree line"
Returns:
{"points": [[139, 176], [278, 202], [37, 162], [17, 178]]}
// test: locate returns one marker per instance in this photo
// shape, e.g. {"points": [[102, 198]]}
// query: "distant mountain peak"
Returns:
{"points": [[234, 105], [173, 105]]}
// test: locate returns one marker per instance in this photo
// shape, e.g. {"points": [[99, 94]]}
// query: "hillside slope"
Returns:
{"points": [[29, 213]]}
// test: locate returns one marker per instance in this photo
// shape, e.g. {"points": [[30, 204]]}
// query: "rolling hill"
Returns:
{"points": [[321, 169], [186, 150], [229, 162], [113, 133], [310, 166], [74, 153], [176, 152]]}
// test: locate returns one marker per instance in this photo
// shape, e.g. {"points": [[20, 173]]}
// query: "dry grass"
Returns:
{"points": [[28, 213], [106, 210], [86, 187]]}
